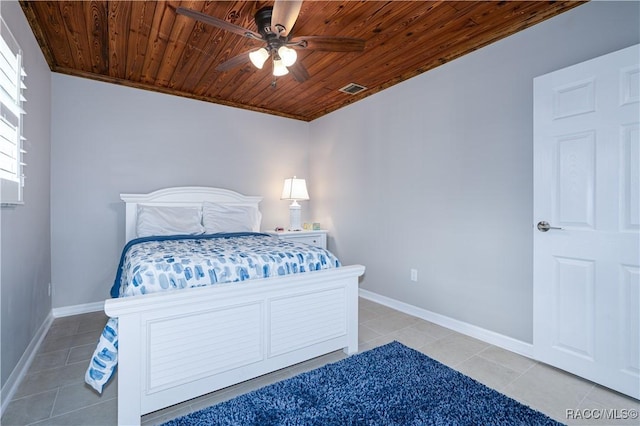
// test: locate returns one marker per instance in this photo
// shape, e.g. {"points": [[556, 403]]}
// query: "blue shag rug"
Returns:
{"points": [[388, 385]]}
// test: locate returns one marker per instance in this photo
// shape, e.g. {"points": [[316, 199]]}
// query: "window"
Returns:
{"points": [[11, 118]]}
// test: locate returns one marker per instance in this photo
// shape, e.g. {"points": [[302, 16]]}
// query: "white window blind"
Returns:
{"points": [[12, 141]]}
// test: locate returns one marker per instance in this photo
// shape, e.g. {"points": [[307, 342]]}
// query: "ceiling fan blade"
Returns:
{"points": [[328, 43], [233, 62], [284, 14], [208, 19], [299, 72]]}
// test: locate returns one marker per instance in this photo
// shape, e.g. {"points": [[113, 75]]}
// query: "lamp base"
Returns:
{"points": [[294, 216]]}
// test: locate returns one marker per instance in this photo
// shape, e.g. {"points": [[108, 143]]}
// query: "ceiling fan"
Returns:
{"points": [[275, 26]]}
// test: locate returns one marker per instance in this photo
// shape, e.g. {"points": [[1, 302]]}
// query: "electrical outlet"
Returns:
{"points": [[414, 275]]}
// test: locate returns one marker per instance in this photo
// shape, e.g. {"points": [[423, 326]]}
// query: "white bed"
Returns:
{"points": [[260, 325]]}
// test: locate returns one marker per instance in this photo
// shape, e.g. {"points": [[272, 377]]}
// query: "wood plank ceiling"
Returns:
{"points": [[145, 44]]}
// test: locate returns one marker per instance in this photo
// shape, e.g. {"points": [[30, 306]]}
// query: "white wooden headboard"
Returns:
{"points": [[180, 196]]}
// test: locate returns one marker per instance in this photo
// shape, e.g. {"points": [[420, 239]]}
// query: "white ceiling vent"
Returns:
{"points": [[352, 88]]}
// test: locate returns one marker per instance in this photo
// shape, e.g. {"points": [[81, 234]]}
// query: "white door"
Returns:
{"points": [[587, 184]]}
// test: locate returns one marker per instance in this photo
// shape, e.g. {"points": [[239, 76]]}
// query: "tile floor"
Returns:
{"points": [[53, 392]]}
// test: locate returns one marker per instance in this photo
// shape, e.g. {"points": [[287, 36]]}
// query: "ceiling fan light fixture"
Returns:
{"points": [[279, 69], [288, 55], [274, 24], [258, 57]]}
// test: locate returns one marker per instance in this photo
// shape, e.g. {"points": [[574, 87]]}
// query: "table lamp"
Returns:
{"points": [[294, 189]]}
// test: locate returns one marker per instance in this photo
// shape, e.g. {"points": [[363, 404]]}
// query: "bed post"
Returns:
{"points": [[352, 316], [129, 370]]}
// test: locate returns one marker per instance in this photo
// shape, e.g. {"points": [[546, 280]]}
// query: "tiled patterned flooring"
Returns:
{"points": [[53, 392]]}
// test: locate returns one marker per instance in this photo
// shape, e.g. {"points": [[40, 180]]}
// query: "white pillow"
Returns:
{"points": [[154, 220], [222, 218]]}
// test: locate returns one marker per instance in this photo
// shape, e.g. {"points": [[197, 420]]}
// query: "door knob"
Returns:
{"points": [[544, 226]]}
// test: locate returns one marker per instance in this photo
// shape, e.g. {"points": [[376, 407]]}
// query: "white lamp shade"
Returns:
{"points": [[294, 189], [258, 57], [287, 55], [278, 68]]}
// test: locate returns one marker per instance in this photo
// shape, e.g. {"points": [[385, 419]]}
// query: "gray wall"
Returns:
{"points": [[109, 139], [25, 260], [436, 173]]}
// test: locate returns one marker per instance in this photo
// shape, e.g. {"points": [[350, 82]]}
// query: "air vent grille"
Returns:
{"points": [[352, 88]]}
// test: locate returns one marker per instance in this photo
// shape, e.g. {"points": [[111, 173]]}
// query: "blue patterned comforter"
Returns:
{"points": [[155, 264]]}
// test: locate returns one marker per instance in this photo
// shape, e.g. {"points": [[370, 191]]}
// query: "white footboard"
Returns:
{"points": [[179, 345]]}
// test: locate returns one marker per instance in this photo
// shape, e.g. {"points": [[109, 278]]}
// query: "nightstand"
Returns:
{"points": [[315, 238]]}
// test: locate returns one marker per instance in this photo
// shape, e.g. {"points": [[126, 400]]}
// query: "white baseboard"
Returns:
{"points": [[85, 308], [488, 336], [500, 340], [15, 378]]}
